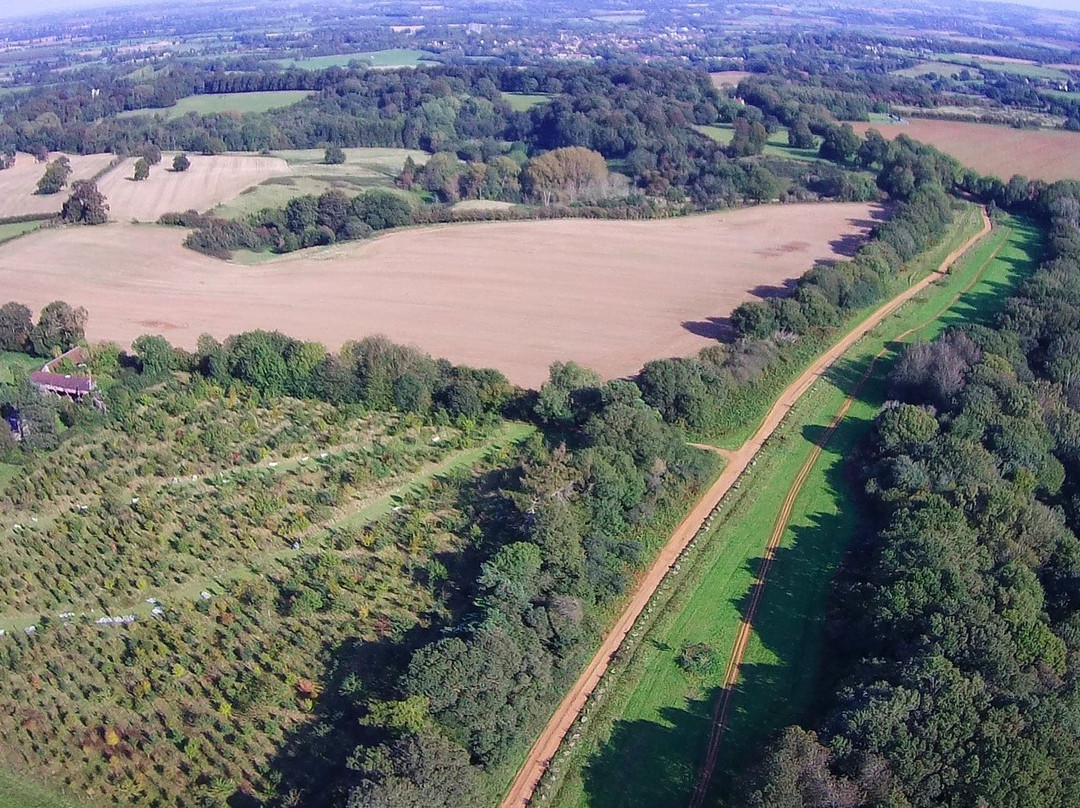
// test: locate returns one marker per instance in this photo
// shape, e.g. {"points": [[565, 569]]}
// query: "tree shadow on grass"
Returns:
{"points": [[647, 764]]}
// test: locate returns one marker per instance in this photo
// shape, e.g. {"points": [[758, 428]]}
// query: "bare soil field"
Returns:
{"points": [[728, 77], [516, 296], [18, 183], [209, 182], [999, 150]]}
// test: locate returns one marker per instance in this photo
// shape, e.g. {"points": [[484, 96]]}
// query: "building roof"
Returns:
{"points": [[58, 383]]}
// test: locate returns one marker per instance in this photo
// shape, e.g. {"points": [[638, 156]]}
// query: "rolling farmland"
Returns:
{"points": [[611, 294], [1000, 150]]}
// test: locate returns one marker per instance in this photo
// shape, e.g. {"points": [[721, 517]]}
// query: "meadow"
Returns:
{"points": [[306, 172], [523, 102], [177, 582], [612, 294], [997, 150], [225, 102], [656, 704], [393, 57], [776, 145]]}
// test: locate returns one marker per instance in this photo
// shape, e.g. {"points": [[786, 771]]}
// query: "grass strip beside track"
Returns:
{"points": [[657, 710]]}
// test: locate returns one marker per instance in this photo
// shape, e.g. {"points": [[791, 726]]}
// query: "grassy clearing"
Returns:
{"points": [[655, 707], [523, 102], [989, 63], [940, 68], [18, 793], [394, 57], [10, 232], [362, 169], [225, 102], [776, 146], [15, 365]]}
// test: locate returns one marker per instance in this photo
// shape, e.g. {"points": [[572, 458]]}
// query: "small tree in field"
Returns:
{"points": [[334, 156], [86, 205], [142, 169], [181, 163], [55, 176]]}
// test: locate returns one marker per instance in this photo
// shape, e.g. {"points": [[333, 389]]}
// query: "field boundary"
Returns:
{"points": [[546, 746]]}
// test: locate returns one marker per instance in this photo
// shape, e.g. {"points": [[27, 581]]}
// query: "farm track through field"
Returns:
{"points": [[731, 675], [545, 747]]}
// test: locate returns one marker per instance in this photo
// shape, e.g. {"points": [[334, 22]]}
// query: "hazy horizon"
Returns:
{"points": [[19, 8]]}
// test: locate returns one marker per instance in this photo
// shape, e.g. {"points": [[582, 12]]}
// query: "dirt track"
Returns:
{"points": [[568, 711]]}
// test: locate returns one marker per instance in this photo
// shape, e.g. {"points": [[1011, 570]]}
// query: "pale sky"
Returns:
{"points": [[18, 8]]}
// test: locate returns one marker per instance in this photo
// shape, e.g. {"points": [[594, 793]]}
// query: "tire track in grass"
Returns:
{"points": [[543, 750], [742, 639]]}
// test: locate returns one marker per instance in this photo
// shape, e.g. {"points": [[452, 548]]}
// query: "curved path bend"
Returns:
{"points": [[541, 753]]}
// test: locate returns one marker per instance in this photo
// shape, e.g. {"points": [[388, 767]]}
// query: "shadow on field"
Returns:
{"points": [[646, 764], [791, 621], [718, 328]]}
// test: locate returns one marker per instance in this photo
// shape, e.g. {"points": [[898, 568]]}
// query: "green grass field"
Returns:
{"points": [[523, 102], [776, 146], [989, 63], [395, 57], [19, 793], [9, 232], [654, 709], [225, 102], [940, 68]]}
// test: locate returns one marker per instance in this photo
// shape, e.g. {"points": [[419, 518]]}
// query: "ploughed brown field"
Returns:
{"points": [[209, 181], [18, 183], [515, 296], [1043, 154]]}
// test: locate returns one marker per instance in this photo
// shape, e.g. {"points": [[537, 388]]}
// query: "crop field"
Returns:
{"points": [[225, 102], [657, 705], [305, 173], [209, 181], [609, 294], [18, 183], [177, 584], [776, 146], [999, 150]]}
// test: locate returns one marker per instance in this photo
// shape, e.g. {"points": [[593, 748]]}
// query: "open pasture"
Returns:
{"points": [[728, 78], [999, 150], [306, 173], [393, 57], [516, 296], [775, 146], [225, 102], [209, 181], [18, 183]]}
